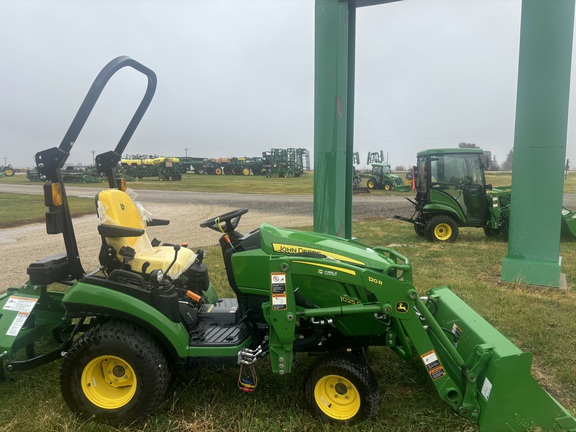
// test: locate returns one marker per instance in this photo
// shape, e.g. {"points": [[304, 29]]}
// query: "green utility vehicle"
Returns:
{"points": [[150, 306], [383, 178], [451, 192]]}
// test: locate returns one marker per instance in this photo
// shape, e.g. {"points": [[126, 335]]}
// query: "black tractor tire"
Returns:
{"points": [[387, 186], [501, 232], [116, 372], [371, 183], [441, 228], [342, 388], [9, 172], [420, 230]]}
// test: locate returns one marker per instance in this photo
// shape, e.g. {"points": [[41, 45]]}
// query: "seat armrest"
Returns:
{"points": [[157, 222], [119, 231]]}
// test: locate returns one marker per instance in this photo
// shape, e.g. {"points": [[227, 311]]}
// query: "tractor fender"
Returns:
{"points": [[84, 300], [434, 209]]}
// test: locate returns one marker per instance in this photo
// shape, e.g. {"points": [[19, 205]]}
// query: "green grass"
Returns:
{"points": [[206, 399], [259, 184], [20, 209]]}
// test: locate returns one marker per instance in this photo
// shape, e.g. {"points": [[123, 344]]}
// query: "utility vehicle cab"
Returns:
{"points": [[451, 192], [460, 176]]}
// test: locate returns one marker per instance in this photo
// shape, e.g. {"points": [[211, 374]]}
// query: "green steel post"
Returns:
{"points": [[333, 117], [540, 142]]}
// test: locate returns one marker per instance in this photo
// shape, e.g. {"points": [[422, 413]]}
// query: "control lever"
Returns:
{"points": [[176, 250]]}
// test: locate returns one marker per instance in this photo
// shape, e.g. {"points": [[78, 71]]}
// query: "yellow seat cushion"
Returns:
{"points": [[116, 208]]}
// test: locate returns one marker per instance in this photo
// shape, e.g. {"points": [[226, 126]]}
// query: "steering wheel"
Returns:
{"points": [[226, 222]]}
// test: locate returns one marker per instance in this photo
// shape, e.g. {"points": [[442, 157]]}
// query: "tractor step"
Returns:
{"points": [[214, 334]]}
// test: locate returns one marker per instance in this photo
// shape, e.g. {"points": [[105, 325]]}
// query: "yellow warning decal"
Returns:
{"points": [[293, 249], [343, 270]]}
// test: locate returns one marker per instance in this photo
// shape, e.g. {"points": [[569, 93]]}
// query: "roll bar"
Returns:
{"points": [[53, 159]]}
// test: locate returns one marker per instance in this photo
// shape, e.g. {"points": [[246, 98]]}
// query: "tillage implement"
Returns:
{"points": [[150, 306]]}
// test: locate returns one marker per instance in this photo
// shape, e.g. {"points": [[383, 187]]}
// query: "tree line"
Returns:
{"points": [[490, 162]]}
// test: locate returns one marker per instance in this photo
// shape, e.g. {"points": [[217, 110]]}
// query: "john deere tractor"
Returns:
{"points": [[383, 178], [7, 170], [451, 192], [149, 306]]}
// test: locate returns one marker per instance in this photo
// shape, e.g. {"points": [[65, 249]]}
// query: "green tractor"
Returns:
{"points": [[451, 192], [383, 178], [7, 170], [150, 306]]}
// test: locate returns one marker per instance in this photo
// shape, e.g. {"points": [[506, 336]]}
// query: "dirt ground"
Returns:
{"points": [[23, 245]]}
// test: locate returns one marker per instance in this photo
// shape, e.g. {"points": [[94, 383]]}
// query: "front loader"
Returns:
{"points": [[149, 306]]}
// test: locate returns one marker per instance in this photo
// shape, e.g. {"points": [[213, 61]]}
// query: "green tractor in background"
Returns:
{"points": [[149, 306], [382, 177], [451, 192], [7, 170]]}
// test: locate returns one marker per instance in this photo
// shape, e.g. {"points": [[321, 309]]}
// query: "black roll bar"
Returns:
{"points": [[51, 161]]}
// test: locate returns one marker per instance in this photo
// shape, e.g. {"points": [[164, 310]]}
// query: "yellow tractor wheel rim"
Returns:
{"points": [[109, 382], [246, 171], [443, 231], [337, 397], [387, 187], [9, 173]]}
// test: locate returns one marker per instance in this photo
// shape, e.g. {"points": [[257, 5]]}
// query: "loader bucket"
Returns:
{"points": [[498, 389], [568, 223]]}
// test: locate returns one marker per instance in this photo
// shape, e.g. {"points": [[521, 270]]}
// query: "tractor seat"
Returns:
{"points": [[123, 229]]}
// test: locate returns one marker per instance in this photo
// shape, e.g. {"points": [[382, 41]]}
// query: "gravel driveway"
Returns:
{"points": [[185, 210]]}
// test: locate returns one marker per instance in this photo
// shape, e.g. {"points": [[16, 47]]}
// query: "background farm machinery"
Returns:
{"points": [[7, 171]]}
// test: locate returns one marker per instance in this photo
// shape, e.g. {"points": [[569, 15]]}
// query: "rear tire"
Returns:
{"points": [[341, 388], [371, 183], [441, 228], [116, 373]]}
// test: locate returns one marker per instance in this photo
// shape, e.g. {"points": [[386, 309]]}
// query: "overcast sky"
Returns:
{"points": [[235, 78]]}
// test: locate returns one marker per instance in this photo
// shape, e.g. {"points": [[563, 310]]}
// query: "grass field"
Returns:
{"points": [[539, 320], [205, 398], [259, 184], [20, 209]]}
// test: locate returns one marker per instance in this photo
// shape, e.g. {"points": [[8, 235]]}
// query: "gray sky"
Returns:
{"points": [[235, 78]]}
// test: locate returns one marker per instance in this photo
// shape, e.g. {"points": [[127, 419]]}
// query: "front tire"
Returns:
{"points": [[441, 228], [341, 388], [115, 372]]}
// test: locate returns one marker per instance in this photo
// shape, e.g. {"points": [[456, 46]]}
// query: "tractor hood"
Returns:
{"points": [[282, 241]]}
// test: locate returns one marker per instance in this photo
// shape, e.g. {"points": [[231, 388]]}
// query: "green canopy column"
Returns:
{"points": [[335, 31], [333, 117], [540, 142]]}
